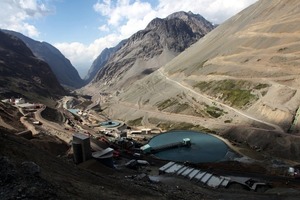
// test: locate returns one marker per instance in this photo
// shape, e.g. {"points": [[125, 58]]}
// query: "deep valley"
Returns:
{"points": [[234, 85]]}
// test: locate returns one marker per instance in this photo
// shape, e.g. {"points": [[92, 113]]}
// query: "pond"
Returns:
{"points": [[110, 124], [204, 147]]}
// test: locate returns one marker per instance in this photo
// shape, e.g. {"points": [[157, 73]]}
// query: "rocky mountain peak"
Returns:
{"points": [[195, 21], [151, 48], [101, 60]]}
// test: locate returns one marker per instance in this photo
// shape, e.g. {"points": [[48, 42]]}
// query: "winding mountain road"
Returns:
{"points": [[55, 128], [277, 128]]}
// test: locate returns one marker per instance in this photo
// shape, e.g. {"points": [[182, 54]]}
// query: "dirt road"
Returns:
{"points": [[54, 128], [219, 103]]}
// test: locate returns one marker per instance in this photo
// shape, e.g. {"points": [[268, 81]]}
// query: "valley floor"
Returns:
{"points": [[93, 180]]}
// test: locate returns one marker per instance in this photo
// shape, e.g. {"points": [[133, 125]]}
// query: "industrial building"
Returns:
{"points": [[81, 147]]}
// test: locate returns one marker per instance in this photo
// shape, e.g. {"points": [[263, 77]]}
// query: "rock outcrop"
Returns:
{"points": [[101, 60], [149, 49]]}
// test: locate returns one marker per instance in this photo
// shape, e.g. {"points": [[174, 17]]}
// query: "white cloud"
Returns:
{"points": [[216, 11], [82, 56], [122, 19], [125, 17], [15, 14], [104, 28], [129, 16], [126, 12], [123, 10]]}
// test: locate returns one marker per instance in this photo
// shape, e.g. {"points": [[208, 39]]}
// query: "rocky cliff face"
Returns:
{"points": [[101, 60], [149, 49], [63, 69], [24, 74]]}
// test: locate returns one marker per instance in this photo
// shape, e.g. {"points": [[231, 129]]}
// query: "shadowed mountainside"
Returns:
{"points": [[23, 74], [62, 68], [101, 60]]}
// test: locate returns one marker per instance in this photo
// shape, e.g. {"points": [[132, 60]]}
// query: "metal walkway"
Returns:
{"points": [[197, 175]]}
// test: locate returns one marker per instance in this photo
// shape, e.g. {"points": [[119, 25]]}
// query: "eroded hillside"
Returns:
{"points": [[243, 74]]}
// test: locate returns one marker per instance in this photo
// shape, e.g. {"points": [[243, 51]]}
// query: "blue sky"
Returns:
{"points": [[71, 21], [81, 29]]}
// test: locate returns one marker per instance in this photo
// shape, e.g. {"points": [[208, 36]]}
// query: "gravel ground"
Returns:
{"points": [[28, 172]]}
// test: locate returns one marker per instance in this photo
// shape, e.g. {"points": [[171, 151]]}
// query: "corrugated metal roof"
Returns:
{"points": [[197, 175]]}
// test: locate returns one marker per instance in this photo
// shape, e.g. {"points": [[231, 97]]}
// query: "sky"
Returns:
{"points": [[81, 29]]}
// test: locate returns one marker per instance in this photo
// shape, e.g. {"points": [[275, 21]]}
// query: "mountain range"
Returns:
{"points": [[101, 60], [240, 81], [64, 71], [22, 74], [243, 77], [181, 72], [149, 49]]}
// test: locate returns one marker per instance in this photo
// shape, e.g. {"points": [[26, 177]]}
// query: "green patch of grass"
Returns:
{"points": [[169, 125], [235, 93], [214, 111], [167, 103], [238, 98], [173, 105], [228, 121], [261, 86], [202, 85], [135, 122]]}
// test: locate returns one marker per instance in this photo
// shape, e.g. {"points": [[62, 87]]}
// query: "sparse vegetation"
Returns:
{"points": [[168, 125], [214, 111], [174, 105], [261, 86], [239, 98], [167, 103], [135, 122], [282, 49], [263, 93], [235, 93], [228, 121], [181, 107]]}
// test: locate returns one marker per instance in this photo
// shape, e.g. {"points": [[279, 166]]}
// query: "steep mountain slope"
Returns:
{"points": [[60, 65], [23, 74], [149, 49], [243, 74], [101, 60]]}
